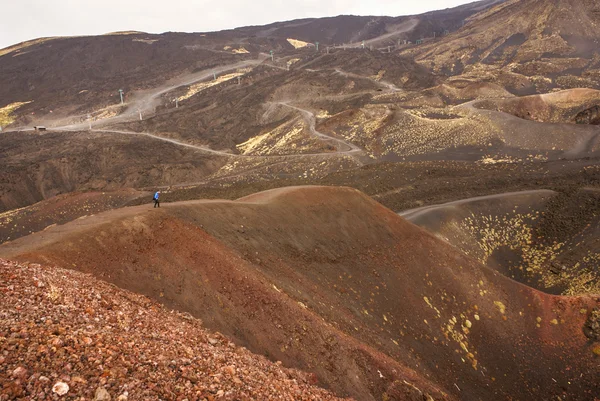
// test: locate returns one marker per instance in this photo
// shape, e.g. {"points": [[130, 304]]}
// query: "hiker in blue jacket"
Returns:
{"points": [[156, 202]]}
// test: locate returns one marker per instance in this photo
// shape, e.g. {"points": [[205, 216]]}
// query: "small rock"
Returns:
{"points": [[19, 373], [60, 388], [213, 341], [123, 397], [101, 394]]}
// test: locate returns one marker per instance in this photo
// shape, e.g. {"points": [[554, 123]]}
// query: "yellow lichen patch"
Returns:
{"points": [[292, 61], [379, 75], [323, 114], [24, 45], [363, 127], [461, 338], [106, 112], [241, 50], [428, 302], [495, 160], [515, 233], [501, 307], [199, 87], [6, 113], [289, 137], [412, 134], [585, 281], [298, 44], [146, 41], [596, 350]]}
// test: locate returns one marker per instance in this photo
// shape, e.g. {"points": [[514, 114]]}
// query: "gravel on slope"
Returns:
{"points": [[66, 335]]}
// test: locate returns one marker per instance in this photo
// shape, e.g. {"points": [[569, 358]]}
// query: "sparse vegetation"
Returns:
{"points": [[7, 116]]}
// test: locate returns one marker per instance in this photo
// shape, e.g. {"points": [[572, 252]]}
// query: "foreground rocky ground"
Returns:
{"points": [[66, 335]]}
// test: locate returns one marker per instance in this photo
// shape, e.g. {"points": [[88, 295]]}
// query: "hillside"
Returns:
{"points": [[528, 46], [80, 75], [545, 239], [68, 334], [293, 274], [391, 208]]}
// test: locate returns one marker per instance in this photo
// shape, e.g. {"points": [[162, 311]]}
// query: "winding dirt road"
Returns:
{"points": [[412, 214], [311, 120], [146, 101]]}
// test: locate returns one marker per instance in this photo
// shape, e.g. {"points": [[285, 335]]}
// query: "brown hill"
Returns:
{"points": [[67, 331], [329, 281], [528, 46]]}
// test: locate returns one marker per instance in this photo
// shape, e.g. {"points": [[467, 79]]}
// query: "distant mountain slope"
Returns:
{"points": [[81, 74], [77, 75], [354, 29], [537, 44]]}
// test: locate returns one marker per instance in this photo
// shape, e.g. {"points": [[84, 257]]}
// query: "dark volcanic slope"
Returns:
{"points": [[374, 306], [37, 167], [377, 30], [77, 75], [85, 73], [544, 239], [520, 41], [386, 67]]}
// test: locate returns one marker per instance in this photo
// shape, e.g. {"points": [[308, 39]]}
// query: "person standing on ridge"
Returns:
{"points": [[156, 202]]}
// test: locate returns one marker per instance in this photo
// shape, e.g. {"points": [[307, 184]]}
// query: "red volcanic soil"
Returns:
{"points": [[329, 281], [61, 328]]}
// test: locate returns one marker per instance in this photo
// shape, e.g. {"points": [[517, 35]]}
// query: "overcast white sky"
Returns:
{"points": [[28, 19]]}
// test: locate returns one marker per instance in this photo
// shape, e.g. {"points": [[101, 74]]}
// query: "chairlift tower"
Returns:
{"points": [[317, 45], [121, 94], [272, 58]]}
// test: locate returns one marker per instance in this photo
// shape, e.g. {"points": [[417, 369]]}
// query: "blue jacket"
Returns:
{"points": [[156, 196]]}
